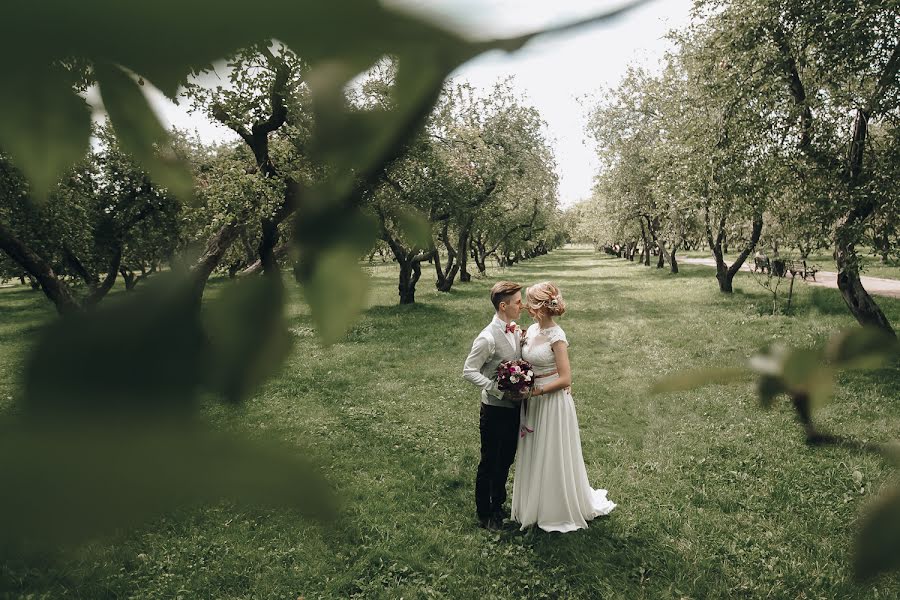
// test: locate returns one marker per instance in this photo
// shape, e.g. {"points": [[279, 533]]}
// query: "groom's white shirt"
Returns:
{"points": [[483, 351]]}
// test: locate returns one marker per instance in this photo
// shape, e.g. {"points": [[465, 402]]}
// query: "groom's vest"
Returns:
{"points": [[502, 351]]}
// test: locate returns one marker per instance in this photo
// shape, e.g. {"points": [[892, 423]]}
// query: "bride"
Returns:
{"points": [[551, 487]]}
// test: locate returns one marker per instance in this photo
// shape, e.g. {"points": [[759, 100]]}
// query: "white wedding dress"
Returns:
{"points": [[551, 487]]}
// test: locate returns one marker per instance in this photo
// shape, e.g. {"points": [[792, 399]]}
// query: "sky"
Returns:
{"points": [[556, 74]]}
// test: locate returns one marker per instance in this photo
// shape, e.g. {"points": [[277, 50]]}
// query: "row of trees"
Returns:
{"points": [[483, 177], [478, 182], [773, 125]]}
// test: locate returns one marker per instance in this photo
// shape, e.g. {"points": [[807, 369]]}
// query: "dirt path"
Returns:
{"points": [[874, 285]]}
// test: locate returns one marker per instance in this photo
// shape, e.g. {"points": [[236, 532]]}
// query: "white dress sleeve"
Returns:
{"points": [[556, 334]]}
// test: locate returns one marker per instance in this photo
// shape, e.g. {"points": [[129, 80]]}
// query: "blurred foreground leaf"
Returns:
{"points": [[70, 484], [138, 353], [805, 373], [109, 434], [807, 376], [768, 388], [862, 348], [690, 380], [336, 293], [416, 227], [878, 542], [44, 127], [139, 131], [248, 336]]}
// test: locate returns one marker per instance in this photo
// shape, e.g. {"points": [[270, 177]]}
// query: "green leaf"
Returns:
{"points": [[44, 127], [140, 132], [862, 348], [416, 227], [820, 388], [81, 480], [805, 372], [878, 542], [770, 362], [768, 388], [336, 293], [140, 353], [690, 380], [330, 225], [248, 336], [891, 451]]}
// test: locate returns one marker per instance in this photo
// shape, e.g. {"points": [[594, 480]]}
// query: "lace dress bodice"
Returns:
{"points": [[537, 349]]}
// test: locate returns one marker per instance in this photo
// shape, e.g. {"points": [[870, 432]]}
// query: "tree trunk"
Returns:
{"points": [[672, 260], [652, 227], [463, 253], [480, 257], [53, 287], [99, 292], [407, 286], [645, 250], [724, 273], [444, 278], [268, 256], [464, 275], [725, 282], [858, 300], [216, 247], [280, 252], [128, 277], [440, 283]]}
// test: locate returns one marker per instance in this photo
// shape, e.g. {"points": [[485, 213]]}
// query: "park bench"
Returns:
{"points": [[780, 267], [799, 267], [760, 263]]}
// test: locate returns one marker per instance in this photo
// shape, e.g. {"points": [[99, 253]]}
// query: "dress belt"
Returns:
{"points": [[546, 374]]}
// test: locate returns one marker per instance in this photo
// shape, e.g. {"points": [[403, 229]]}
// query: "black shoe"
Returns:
{"points": [[487, 523]]}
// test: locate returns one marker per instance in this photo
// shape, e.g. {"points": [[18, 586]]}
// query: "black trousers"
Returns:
{"points": [[499, 435]]}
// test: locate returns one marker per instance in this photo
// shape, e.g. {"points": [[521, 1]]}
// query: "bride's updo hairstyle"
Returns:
{"points": [[547, 296]]}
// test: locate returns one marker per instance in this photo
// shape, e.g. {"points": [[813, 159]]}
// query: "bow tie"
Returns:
{"points": [[511, 327]]}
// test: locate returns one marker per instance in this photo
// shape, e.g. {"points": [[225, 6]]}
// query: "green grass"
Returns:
{"points": [[717, 498]]}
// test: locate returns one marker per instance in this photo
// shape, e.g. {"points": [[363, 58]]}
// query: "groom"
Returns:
{"points": [[499, 424]]}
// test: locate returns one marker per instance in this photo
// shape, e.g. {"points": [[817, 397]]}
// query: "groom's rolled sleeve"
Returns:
{"points": [[479, 355]]}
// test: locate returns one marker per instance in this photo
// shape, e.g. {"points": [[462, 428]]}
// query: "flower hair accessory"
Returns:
{"points": [[553, 302]]}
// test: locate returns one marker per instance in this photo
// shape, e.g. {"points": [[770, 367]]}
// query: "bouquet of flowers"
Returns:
{"points": [[516, 376]]}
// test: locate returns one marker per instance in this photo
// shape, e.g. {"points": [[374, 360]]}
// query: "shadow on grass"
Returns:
{"points": [[19, 301], [620, 559], [419, 312], [823, 301], [532, 267]]}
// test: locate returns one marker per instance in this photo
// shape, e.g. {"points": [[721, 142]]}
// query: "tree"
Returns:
{"points": [[266, 105], [74, 245], [835, 69], [504, 173]]}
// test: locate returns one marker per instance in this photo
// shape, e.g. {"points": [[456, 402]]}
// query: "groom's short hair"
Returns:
{"points": [[503, 291]]}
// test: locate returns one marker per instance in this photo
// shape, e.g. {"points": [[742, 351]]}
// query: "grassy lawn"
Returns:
{"points": [[716, 497]]}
